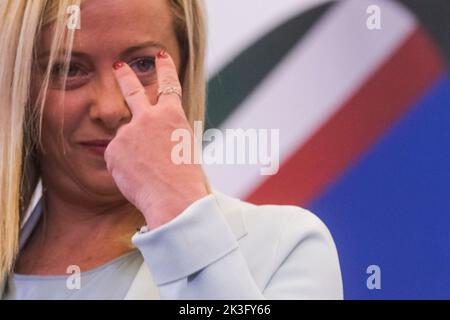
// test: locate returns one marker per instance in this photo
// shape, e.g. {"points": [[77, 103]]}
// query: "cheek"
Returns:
{"points": [[58, 118]]}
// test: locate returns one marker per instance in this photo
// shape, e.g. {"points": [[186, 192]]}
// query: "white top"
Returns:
{"points": [[93, 284]]}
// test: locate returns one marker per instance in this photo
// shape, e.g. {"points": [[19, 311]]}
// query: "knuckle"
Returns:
{"points": [[135, 91]]}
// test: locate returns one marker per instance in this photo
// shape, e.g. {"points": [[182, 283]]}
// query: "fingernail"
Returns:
{"points": [[162, 54], [118, 64]]}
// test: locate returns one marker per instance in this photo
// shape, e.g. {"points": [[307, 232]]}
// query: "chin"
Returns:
{"points": [[99, 181]]}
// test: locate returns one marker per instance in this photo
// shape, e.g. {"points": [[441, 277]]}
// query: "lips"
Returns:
{"points": [[96, 143], [98, 147]]}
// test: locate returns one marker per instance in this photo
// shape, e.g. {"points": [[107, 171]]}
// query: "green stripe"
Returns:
{"points": [[233, 83], [435, 17]]}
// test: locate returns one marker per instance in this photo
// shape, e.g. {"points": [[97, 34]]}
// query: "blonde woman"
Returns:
{"points": [[87, 114]]}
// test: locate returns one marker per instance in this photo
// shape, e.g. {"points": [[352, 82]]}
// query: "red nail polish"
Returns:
{"points": [[162, 54], [118, 64]]}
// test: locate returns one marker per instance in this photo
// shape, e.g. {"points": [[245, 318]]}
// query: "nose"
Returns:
{"points": [[108, 104]]}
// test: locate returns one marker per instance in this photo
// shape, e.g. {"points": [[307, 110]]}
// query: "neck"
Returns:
{"points": [[80, 215], [79, 229]]}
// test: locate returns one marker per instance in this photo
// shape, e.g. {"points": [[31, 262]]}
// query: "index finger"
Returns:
{"points": [[132, 89], [167, 75]]}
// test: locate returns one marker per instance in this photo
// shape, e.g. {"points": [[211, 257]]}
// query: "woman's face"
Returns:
{"points": [[133, 31]]}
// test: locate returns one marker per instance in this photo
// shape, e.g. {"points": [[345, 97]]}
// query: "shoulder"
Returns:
{"points": [[284, 220], [285, 243], [279, 221]]}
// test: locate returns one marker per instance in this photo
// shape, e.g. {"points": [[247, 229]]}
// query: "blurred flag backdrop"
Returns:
{"points": [[364, 120]]}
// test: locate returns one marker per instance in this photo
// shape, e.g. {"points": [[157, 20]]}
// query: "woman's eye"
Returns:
{"points": [[58, 70], [73, 71], [143, 65], [76, 76]]}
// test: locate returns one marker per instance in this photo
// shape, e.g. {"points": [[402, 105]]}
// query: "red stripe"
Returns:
{"points": [[382, 100]]}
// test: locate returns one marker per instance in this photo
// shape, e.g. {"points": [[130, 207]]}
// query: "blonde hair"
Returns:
{"points": [[21, 22]]}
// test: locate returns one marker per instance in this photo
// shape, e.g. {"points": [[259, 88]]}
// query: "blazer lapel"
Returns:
{"points": [[29, 220], [35, 199], [232, 210], [143, 287]]}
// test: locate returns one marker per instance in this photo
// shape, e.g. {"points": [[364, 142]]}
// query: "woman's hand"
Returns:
{"points": [[139, 156]]}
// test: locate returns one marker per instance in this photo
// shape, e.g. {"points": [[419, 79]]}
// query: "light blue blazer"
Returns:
{"points": [[224, 248]]}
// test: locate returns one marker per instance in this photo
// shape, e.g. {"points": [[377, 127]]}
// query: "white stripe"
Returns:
{"points": [[312, 82], [226, 39], [36, 196]]}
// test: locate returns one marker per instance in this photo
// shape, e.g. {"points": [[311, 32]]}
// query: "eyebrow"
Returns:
{"points": [[142, 46], [125, 52]]}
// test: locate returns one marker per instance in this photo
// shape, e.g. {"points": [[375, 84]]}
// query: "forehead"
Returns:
{"points": [[109, 25]]}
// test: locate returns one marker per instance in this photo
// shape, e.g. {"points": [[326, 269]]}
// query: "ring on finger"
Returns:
{"points": [[170, 90]]}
